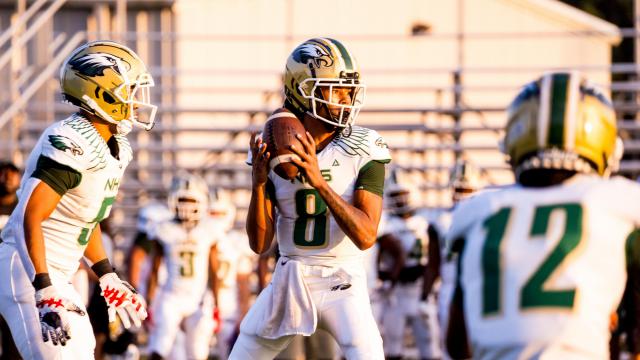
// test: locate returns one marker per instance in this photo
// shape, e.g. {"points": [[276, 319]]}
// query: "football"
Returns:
{"points": [[280, 133]]}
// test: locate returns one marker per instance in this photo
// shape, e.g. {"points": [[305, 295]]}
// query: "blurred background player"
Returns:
{"points": [[324, 219], [9, 183], [236, 264], [139, 261], [465, 181], [405, 227], [383, 263], [542, 264], [75, 171], [187, 244]]}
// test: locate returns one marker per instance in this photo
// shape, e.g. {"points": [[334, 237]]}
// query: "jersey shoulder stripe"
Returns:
{"points": [[363, 142], [356, 144], [95, 146]]}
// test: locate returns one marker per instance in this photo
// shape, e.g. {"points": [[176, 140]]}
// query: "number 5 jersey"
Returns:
{"points": [[75, 161]]}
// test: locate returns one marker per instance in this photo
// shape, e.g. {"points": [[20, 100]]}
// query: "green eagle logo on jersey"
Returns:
{"points": [[63, 143]]}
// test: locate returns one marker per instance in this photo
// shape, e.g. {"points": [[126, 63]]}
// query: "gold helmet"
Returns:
{"points": [[323, 63], [465, 180], [561, 121], [110, 81]]}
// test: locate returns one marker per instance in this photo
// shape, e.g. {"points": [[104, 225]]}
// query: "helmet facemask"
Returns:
{"points": [[135, 96], [312, 90], [187, 208]]}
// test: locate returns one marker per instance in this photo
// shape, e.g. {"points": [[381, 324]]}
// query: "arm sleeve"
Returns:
{"points": [[61, 178], [371, 177]]}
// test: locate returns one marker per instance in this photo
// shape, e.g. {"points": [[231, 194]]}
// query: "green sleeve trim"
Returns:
{"points": [[371, 177], [384, 161], [632, 249], [61, 178]]}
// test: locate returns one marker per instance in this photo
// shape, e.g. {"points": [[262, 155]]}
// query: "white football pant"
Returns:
{"points": [[18, 307], [345, 314]]}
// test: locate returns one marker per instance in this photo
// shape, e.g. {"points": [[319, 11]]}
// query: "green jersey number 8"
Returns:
{"points": [[311, 226]]}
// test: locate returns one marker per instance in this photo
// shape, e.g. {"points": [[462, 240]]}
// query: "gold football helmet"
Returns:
{"points": [[316, 70], [109, 80], [561, 121]]}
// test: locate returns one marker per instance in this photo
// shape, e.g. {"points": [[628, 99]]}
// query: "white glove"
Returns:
{"points": [[53, 309], [122, 299]]}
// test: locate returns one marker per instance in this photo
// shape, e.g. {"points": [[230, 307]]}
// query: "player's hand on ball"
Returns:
{"points": [[54, 321], [260, 159], [308, 161], [122, 299]]}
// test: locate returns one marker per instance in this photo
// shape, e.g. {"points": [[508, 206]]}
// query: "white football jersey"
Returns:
{"points": [[305, 227], [412, 234], [73, 142], [234, 257], [186, 256], [543, 269]]}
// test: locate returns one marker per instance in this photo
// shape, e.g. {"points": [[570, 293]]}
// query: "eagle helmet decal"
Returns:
{"points": [[109, 80]]}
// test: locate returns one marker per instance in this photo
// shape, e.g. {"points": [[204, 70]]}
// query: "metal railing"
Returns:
{"points": [[424, 142]]}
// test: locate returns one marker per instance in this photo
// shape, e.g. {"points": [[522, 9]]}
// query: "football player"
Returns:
{"points": [[409, 229], [542, 264], [9, 183], [465, 181], [139, 267], [324, 218], [236, 263], [73, 176], [187, 245]]}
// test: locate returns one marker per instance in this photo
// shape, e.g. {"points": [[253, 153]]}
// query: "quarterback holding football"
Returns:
{"points": [[324, 217]]}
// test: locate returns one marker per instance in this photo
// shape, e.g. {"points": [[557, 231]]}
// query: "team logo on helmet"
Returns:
{"points": [[96, 63], [63, 143], [313, 55]]}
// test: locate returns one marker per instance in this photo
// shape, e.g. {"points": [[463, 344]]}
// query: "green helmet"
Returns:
{"points": [[561, 121], [323, 63]]}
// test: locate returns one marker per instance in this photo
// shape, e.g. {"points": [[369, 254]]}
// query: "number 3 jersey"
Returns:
{"points": [[543, 269], [186, 255], [305, 226], [75, 161]]}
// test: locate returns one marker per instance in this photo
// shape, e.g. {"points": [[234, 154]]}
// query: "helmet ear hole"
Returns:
{"points": [[108, 98]]}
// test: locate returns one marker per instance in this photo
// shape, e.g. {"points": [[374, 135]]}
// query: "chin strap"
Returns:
{"points": [[123, 127]]}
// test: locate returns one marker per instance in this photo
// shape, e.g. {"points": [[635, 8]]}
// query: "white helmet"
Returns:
{"points": [[152, 214], [465, 180], [398, 198], [221, 208], [188, 197]]}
